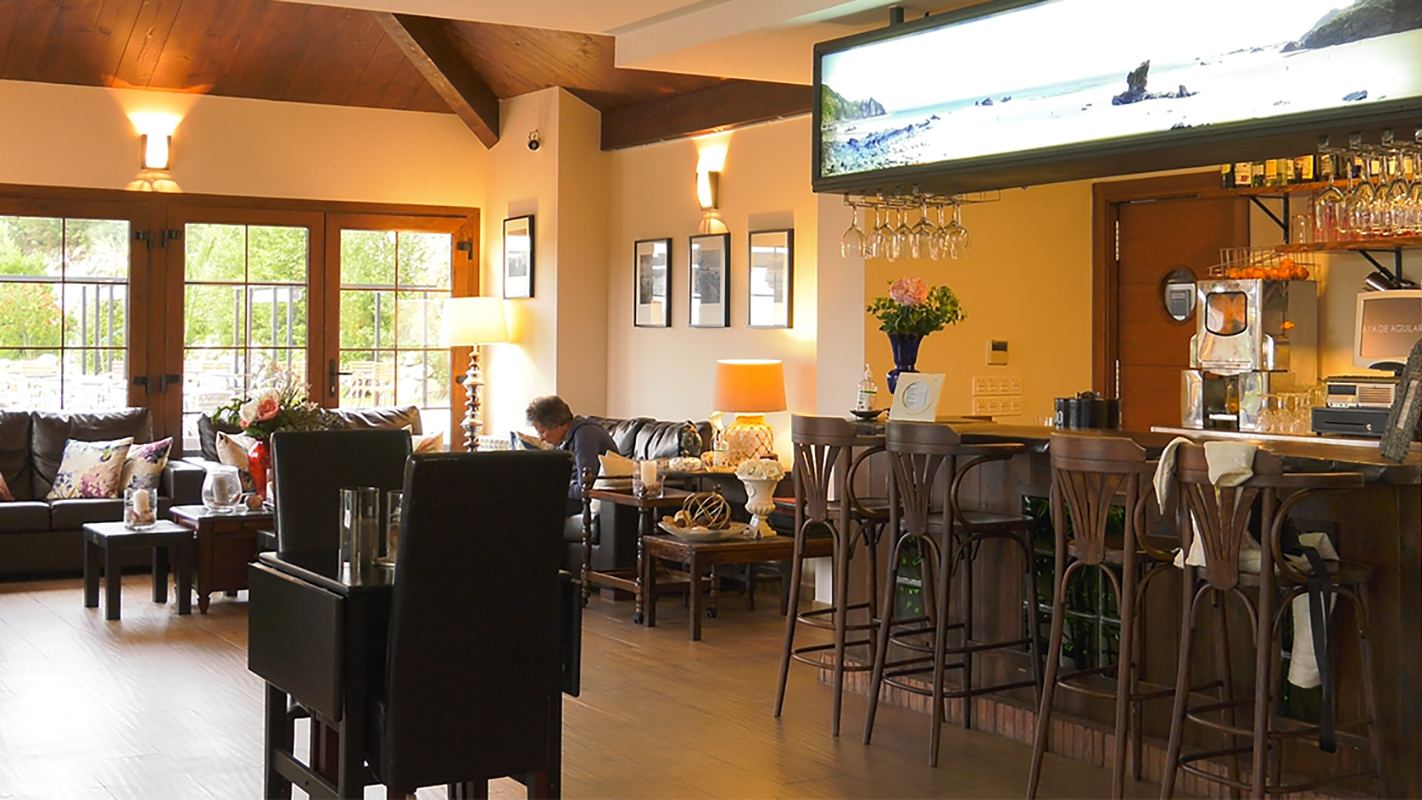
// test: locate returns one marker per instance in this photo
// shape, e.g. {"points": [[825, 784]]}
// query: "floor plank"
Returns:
{"points": [[158, 705]]}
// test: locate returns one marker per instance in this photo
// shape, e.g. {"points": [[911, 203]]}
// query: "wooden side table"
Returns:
{"points": [[104, 541], [646, 507], [699, 556], [226, 543]]}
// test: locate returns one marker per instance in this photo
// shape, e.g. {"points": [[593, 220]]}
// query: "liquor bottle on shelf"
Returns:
{"points": [[1226, 176], [867, 391], [1242, 178], [1256, 173], [1304, 169]]}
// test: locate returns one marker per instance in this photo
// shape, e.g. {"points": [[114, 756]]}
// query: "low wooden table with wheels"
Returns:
{"points": [[699, 556], [226, 543], [103, 543]]}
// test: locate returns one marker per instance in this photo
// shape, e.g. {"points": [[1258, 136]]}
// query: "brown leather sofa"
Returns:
{"points": [[39, 536], [614, 528], [378, 417]]}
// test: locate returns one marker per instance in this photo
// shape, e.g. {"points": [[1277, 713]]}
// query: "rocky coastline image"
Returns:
{"points": [[1023, 79]]}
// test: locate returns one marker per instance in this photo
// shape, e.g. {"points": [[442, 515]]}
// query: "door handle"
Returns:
{"points": [[142, 380], [332, 386], [164, 381]]}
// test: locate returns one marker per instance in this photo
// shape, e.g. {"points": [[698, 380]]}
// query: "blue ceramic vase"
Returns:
{"points": [[905, 348]]}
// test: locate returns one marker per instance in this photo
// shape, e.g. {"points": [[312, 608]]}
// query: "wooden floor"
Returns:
{"points": [[162, 706]]}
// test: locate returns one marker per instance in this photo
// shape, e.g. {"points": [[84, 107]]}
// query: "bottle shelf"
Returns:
{"points": [[1274, 191], [1387, 243]]}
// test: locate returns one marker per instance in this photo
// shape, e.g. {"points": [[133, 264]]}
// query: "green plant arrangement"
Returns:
{"points": [[913, 307], [283, 405]]}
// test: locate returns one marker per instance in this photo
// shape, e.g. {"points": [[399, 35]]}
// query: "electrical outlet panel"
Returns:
{"points": [[996, 386], [997, 406]]}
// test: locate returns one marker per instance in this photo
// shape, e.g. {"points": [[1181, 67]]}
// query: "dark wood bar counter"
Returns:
{"points": [[1379, 525]]}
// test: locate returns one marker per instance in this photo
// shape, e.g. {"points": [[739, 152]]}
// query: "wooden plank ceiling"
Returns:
{"points": [[305, 53]]}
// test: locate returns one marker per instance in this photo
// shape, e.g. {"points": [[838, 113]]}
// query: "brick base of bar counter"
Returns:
{"points": [[1072, 737]]}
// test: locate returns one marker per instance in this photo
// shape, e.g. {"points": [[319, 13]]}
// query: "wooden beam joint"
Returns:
{"points": [[727, 105], [426, 42]]}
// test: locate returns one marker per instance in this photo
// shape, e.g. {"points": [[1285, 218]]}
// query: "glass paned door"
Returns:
{"points": [[393, 284], [64, 312], [245, 314]]}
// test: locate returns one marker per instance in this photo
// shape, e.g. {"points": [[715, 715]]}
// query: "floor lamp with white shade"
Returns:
{"points": [[473, 321]]}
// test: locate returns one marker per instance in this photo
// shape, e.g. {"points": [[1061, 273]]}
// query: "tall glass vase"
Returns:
{"points": [[905, 349]]}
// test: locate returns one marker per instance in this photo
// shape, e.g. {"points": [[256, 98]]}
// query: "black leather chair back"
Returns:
{"points": [[475, 621], [311, 467]]}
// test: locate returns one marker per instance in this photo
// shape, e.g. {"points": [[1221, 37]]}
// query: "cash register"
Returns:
{"points": [[1386, 325]]}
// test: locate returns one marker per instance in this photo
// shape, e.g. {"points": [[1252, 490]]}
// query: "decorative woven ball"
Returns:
{"points": [[708, 510]]}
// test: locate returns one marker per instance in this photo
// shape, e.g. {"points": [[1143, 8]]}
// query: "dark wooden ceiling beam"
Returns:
{"points": [[727, 105], [427, 44]]}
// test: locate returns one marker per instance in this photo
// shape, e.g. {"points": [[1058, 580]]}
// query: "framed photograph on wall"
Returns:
{"points": [[651, 283], [772, 279], [518, 257], [710, 281]]}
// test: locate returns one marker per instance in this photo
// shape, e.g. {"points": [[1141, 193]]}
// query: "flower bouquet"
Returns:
{"points": [[283, 405], [911, 311], [763, 469]]}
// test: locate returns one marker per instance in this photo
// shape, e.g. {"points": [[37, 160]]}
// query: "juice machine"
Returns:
{"points": [[1253, 337]]}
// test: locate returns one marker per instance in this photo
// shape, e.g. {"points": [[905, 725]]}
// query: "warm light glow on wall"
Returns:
{"points": [[708, 189], [157, 132]]}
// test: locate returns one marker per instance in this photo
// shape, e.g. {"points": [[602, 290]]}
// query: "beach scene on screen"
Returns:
{"points": [[1067, 72]]}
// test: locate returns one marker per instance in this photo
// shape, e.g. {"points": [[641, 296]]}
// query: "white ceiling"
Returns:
{"points": [[769, 40]]}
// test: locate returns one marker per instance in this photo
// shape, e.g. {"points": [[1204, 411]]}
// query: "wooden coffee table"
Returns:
{"points": [[226, 543], [699, 556], [104, 541]]}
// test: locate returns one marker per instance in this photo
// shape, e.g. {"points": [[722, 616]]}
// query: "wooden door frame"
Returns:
{"points": [[464, 227], [1106, 198]]}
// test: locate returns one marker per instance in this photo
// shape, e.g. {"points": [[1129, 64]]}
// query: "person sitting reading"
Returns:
{"points": [[585, 439]]}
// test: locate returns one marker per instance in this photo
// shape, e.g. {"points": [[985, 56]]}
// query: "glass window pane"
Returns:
{"points": [[94, 314], [33, 377], [213, 316], [419, 318], [277, 315], [90, 381], [96, 248], [215, 252], [367, 319], [425, 259], [31, 246], [31, 314], [423, 378], [274, 365], [371, 381], [367, 258], [277, 254], [211, 377]]}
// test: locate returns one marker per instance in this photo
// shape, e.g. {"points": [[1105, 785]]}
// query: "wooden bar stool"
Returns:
{"points": [[923, 459], [823, 470], [1220, 516], [1090, 476]]}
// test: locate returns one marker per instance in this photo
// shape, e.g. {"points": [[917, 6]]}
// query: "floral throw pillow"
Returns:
{"points": [[144, 466], [90, 469], [232, 450]]}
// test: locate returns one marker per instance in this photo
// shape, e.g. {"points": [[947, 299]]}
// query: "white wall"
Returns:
{"points": [[669, 373], [83, 136]]}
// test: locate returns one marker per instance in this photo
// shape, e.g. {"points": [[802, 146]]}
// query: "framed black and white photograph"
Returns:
{"points": [[518, 257], [772, 279], [710, 281], [651, 284]]}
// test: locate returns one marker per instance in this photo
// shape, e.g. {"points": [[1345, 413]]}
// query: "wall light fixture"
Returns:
{"points": [[708, 188]]}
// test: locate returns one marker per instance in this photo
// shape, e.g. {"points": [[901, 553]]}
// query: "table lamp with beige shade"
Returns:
{"points": [[750, 389], [473, 321]]}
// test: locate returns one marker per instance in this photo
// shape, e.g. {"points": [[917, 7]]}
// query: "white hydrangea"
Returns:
{"points": [[760, 468]]}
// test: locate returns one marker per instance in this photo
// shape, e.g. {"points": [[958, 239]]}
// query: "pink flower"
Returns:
{"points": [[260, 408], [267, 407], [908, 291]]}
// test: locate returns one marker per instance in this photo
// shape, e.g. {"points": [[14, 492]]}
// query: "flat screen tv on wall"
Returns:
{"points": [[1062, 89]]}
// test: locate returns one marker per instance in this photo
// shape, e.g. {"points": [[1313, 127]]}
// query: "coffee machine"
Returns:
{"points": [[1253, 337]]}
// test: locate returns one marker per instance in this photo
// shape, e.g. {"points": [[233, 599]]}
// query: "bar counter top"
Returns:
{"points": [[1299, 453]]}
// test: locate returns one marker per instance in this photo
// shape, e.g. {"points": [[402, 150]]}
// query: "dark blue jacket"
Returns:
{"points": [[586, 440]]}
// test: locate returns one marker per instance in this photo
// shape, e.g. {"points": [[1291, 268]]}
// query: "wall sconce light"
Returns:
{"points": [[708, 188], [156, 150]]}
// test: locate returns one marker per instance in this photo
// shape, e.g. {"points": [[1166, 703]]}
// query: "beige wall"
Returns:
{"points": [[1027, 280], [83, 136], [669, 373]]}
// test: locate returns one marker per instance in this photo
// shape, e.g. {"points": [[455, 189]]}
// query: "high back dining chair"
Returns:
{"points": [[310, 467], [926, 486], [473, 686], [1220, 517]]}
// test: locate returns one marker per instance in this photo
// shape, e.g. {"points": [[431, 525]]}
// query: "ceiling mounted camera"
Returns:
{"points": [[533, 141]]}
